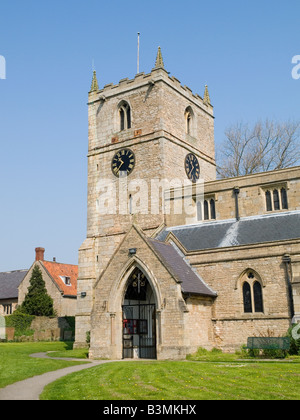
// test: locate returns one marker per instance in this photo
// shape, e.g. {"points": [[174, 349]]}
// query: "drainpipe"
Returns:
{"points": [[287, 260], [236, 191]]}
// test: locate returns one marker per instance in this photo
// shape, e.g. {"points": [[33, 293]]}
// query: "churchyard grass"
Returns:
{"points": [[17, 365], [214, 376], [186, 380]]}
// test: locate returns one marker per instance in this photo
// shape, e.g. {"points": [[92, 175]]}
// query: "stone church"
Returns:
{"points": [[174, 258]]}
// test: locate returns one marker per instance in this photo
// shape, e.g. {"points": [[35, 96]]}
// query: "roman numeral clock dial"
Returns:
{"points": [[192, 167], [123, 161]]}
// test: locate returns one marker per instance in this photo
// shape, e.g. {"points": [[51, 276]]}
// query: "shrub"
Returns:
{"points": [[21, 322], [71, 321], [295, 344]]}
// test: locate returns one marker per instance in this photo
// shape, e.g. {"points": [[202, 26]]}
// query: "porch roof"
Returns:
{"points": [[174, 260]]}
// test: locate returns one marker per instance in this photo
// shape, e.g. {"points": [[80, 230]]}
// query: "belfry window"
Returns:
{"points": [[125, 116], [276, 199], [189, 115], [188, 123]]}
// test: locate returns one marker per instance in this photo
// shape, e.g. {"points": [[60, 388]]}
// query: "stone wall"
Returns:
{"points": [[45, 329], [223, 271]]}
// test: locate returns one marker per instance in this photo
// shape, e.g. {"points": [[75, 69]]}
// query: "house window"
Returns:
{"points": [[66, 280], [7, 309], [276, 199], [125, 116], [252, 293]]}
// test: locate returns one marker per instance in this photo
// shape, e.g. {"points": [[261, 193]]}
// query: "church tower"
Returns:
{"points": [[141, 131]]}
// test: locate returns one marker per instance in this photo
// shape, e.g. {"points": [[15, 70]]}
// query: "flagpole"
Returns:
{"points": [[138, 54]]}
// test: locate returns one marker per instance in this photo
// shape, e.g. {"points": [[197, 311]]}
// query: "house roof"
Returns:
{"points": [[57, 271], [230, 233], [180, 268], [9, 283]]}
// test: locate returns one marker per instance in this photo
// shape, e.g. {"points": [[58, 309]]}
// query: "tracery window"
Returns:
{"points": [[252, 293]]}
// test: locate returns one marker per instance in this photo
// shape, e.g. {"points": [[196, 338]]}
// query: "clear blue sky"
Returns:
{"points": [[242, 49]]}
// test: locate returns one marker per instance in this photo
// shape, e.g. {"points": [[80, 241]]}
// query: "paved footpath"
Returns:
{"points": [[31, 389]]}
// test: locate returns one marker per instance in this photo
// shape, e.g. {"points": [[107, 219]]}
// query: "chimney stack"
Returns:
{"points": [[39, 254]]}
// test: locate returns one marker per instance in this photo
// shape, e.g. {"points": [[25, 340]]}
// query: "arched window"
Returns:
{"points": [[189, 115], [269, 201], [284, 200], [125, 116], [258, 298], [212, 209], [199, 211], [247, 298], [188, 123], [206, 210], [252, 293], [276, 200]]}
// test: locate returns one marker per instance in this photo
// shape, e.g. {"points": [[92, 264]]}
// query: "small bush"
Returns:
{"points": [[21, 322], [295, 344]]}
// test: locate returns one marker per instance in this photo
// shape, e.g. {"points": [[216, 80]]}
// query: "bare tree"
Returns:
{"points": [[265, 146]]}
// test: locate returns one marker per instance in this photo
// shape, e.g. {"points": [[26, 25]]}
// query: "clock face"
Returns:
{"points": [[123, 161], [192, 167]]}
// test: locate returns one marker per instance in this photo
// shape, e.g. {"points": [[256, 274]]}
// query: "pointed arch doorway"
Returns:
{"points": [[139, 318]]}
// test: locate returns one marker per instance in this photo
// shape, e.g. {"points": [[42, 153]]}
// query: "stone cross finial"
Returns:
{"points": [[159, 60]]}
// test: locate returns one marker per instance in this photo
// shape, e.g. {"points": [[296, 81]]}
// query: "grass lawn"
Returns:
{"points": [[187, 380], [16, 365], [209, 376]]}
